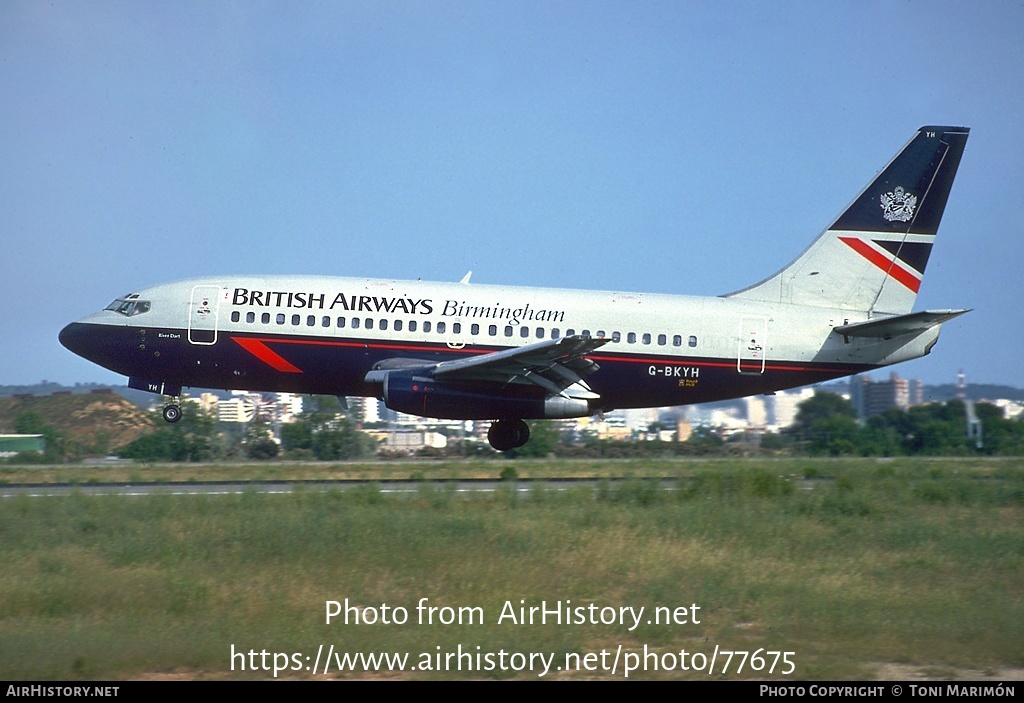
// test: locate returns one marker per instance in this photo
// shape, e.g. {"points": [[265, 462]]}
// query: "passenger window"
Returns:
{"points": [[280, 318], [616, 336], [540, 333], [341, 322], [586, 333], [554, 333], [295, 320], [693, 340], [368, 324], [474, 328], [426, 326], [662, 340], [250, 317], [631, 337], [383, 324], [600, 333], [398, 325], [647, 338], [311, 320], [677, 340], [412, 325], [456, 328], [508, 330], [325, 321], [355, 323], [524, 331], [492, 330], [265, 318], [570, 332], [440, 328], [235, 317]]}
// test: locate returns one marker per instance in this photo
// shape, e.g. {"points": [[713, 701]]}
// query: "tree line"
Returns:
{"points": [[322, 433], [825, 425]]}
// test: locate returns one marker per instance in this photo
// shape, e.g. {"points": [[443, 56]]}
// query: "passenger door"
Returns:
{"points": [[203, 311]]}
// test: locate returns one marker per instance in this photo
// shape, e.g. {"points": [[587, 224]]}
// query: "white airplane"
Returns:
{"points": [[506, 354]]}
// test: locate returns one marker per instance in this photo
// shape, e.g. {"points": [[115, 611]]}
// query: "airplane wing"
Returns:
{"points": [[556, 365], [889, 327]]}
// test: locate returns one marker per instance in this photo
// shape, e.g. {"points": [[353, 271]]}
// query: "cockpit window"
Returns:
{"points": [[129, 306]]}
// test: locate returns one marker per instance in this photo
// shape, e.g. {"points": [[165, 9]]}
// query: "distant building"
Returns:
{"points": [[612, 425], [875, 397], [638, 419], [288, 406], [728, 421], [243, 407], [209, 403], [364, 410], [785, 405], [408, 440], [235, 410], [1011, 408], [757, 413], [11, 444]]}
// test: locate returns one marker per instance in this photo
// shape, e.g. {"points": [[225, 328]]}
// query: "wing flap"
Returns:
{"points": [[556, 365]]}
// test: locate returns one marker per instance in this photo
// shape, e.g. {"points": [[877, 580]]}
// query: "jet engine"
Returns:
{"points": [[416, 392]]}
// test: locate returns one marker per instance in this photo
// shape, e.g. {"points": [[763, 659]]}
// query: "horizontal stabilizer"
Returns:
{"points": [[889, 327]]}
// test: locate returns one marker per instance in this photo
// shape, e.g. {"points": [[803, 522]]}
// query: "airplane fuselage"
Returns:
{"points": [[323, 335], [466, 351]]}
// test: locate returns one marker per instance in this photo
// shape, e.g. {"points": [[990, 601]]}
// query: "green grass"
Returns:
{"points": [[493, 468], [915, 563]]}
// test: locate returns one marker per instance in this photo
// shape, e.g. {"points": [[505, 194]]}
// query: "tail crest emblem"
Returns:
{"points": [[898, 205]]}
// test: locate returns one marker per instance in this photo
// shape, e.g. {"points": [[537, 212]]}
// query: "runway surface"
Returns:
{"points": [[238, 487]]}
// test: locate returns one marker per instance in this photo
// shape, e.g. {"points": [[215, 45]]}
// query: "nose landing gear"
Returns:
{"points": [[172, 411]]}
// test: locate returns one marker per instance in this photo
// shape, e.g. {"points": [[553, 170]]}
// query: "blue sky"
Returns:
{"points": [[678, 147]]}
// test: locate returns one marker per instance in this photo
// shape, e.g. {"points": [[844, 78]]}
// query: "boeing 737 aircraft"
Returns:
{"points": [[507, 354]]}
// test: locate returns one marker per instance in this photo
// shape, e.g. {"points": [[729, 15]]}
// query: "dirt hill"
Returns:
{"points": [[95, 422]]}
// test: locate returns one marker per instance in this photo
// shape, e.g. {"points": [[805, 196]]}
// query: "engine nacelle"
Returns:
{"points": [[417, 393]]}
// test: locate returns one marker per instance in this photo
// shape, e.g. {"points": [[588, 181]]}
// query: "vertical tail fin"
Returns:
{"points": [[873, 256]]}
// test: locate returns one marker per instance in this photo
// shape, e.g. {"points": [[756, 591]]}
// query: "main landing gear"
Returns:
{"points": [[508, 434]]}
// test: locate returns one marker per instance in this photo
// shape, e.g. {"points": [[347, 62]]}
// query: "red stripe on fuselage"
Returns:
{"points": [[259, 349], [257, 346], [883, 262]]}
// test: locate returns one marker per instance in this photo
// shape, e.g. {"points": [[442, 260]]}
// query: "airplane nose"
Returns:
{"points": [[83, 340], [110, 346], [92, 342], [71, 337]]}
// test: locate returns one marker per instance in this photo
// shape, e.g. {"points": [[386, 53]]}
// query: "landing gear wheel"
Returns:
{"points": [[508, 434], [172, 412]]}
